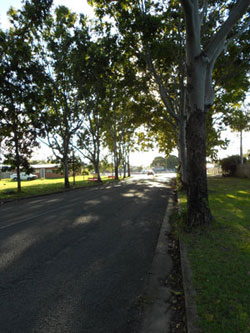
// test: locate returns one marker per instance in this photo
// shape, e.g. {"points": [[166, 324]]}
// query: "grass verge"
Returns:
{"points": [[8, 188], [220, 258]]}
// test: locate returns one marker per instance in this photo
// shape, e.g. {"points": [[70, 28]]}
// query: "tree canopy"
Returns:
{"points": [[174, 67]]}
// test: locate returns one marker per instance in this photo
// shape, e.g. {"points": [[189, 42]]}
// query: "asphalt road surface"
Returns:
{"points": [[78, 261]]}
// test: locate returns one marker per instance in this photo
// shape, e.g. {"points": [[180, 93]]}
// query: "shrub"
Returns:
{"points": [[229, 165]]}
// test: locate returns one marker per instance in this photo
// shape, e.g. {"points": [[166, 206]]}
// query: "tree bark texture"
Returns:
{"points": [[116, 172], [198, 206], [128, 166], [183, 153], [66, 173], [19, 189], [97, 171]]}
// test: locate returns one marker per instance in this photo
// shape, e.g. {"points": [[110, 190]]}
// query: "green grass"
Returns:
{"points": [[220, 258], [8, 187]]}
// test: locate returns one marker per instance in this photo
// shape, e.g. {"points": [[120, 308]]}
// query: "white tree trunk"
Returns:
{"points": [[200, 62]]}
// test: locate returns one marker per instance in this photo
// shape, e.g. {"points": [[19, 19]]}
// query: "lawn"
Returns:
{"points": [[220, 258], [8, 188]]}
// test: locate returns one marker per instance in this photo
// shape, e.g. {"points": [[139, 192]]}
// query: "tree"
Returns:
{"points": [[172, 162], [239, 120], [64, 109], [19, 91], [121, 102], [159, 161], [201, 56], [90, 135], [203, 47], [89, 140]]}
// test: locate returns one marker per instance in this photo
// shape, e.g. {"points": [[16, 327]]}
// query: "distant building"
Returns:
{"points": [[47, 171]]}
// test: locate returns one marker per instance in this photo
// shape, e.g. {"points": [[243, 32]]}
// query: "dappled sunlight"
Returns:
{"points": [[132, 195], [14, 246], [156, 184], [92, 202], [53, 200], [231, 196], [132, 190], [57, 248], [243, 192], [219, 200], [84, 219]]}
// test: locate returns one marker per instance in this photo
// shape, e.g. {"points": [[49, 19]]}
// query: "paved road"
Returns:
{"points": [[78, 261]]}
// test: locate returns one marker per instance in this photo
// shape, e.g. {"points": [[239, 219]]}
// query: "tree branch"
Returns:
{"points": [[192, 18], [187, 6], [164, 95], [238, 34], [203, 13], [217, 42]]}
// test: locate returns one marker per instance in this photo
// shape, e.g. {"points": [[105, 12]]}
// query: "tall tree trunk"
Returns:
{"points": [[198, 206], [128, 166], [116, 163], [116, 171], [200, 63], [97, 171], [66, 172], [197, 194], [19, 189], [197, 71], [124, 168], [183, 152]]}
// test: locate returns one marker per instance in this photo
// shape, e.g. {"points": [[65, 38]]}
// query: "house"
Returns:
{"points": [[47, 171]]}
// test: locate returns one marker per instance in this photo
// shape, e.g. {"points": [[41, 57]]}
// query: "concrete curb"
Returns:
{"points": [[158, 313], [189, 291]]}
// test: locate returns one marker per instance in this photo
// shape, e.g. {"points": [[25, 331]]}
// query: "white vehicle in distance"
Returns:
{"points": [[148, 172], [23, 176]]}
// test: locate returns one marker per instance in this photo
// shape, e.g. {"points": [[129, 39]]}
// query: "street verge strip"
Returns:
{"points": [[158, 313]]}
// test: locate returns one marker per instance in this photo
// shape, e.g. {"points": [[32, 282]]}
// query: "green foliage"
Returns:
{"points": [[172, 162], [229, 165], [238, 120], [20, 89], [61, 76], [159, 161]]}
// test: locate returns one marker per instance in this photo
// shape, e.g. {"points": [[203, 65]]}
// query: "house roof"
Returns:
{"points": [[44, 166]]}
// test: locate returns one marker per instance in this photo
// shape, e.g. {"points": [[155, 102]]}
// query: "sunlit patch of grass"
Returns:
{"points": [[8, 187], [220, 258]]}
